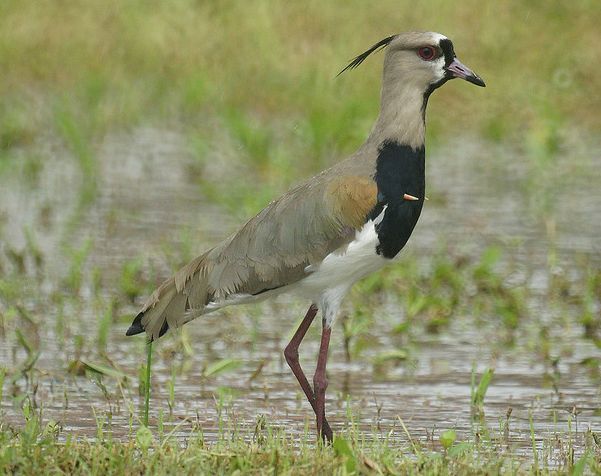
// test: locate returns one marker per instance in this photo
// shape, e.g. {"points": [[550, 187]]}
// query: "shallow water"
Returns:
{"points": [[148, 205]]}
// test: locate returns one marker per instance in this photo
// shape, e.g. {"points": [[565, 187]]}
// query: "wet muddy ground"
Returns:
{"points": [[226, 370]]}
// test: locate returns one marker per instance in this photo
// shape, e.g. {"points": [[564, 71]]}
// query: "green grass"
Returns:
{"points": [[433, 292], [251, 86], [254, 64], [40, 446]]}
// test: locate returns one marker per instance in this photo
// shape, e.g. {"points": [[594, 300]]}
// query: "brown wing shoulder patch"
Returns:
{"points": [[351, 199]]}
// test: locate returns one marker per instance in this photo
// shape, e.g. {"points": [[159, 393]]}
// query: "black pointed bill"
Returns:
{"points": [[458, 70]]}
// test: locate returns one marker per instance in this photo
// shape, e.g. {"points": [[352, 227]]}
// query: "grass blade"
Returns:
{"points": [[147, 385]]}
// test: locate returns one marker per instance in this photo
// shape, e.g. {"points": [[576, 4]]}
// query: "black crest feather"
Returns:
{"points": [[361, 58]]}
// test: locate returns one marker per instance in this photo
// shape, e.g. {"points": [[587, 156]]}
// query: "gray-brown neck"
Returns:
{"points": [[401, 116]]}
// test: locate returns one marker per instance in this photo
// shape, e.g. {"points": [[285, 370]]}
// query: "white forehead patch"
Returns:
{"points": [[437, 37]]}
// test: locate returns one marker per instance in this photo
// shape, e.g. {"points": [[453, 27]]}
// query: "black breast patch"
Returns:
{"points": [[400, 169]]}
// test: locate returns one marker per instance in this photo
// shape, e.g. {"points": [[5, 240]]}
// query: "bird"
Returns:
{"points": [[323, 235]]}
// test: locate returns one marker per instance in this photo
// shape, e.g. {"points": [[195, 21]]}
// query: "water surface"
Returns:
{"points": [[148, 205]]}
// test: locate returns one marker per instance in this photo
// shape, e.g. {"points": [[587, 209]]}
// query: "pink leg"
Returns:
{"points": [[291, 354], [320, 383]]}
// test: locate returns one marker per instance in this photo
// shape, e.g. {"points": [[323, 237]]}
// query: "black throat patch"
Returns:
{"points": [[400, 170]]}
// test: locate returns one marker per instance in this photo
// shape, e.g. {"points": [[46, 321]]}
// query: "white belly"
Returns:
{"points": [[330, 280]]}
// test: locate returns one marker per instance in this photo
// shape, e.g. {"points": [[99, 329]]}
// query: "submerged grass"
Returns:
{"points": [[41, 447], [435, 292], [155, 445]]}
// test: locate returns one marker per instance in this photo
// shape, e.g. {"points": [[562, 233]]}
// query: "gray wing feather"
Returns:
{"points": [[272, 250]]}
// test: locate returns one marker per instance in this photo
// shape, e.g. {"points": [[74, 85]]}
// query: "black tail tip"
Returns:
{"points": [[136, 326]]}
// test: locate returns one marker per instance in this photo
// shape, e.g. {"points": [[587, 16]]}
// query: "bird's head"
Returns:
{"points": [[427, 60], [416, 63]]}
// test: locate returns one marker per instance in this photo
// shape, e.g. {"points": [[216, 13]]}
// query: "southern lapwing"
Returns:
{"points": [[322, 236]]}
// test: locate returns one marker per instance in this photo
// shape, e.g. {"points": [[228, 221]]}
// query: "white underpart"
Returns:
{"points": [[329, 281]]}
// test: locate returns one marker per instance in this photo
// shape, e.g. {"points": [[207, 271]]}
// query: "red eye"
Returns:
{"points": [[427, 53]]}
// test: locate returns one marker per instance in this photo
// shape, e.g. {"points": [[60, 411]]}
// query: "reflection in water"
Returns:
{"points": [[146, 205]]}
